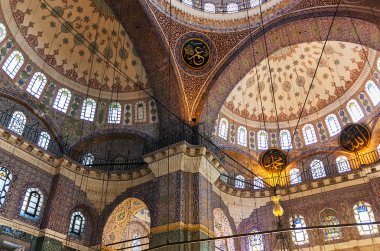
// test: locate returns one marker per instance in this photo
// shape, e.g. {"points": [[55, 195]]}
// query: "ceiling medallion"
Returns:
{"points": [[354, 137], [195, 52], [273, 160]]}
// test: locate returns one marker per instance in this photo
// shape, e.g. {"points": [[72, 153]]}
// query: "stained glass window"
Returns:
{"points": [[140, 114], [88, 159], [232, 7], [31, 206], [43, 140], [5, 181], [285, 139], [295, 176], [258, 183], [255, 241], [114, 113], [17, 123], [255, 3], [136, 242], [343, 164], [309, 134], [3, 32], [317, 169], [300, 236], [13, 63], [354, 110], [333, 124], [329, 217], [77, 224], [209, 7], [62, 100], [364, 214], [262, 140], [37, 84], [239, 182], [242, 136], [373, 92], [88, 109], [223, 128]]}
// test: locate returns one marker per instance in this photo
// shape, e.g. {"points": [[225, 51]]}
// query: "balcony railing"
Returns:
{"points": [[305, 176]]}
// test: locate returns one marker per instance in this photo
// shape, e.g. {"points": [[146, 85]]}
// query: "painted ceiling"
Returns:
{"points": [[82, 41], [291, 72]]}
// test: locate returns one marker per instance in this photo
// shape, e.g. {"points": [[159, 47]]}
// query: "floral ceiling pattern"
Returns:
{"points": [[81, 40], [283, 81]]}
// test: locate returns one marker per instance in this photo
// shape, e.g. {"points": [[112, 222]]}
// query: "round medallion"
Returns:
{"points": [[354, 137], [196, 53], [273, 160]]}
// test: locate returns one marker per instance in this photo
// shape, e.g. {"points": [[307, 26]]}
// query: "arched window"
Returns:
{"points": [[239, 182], [255, 241], [373, 92], [254, 3], [333, 124], [37, 84], [378, 64], [17, 123], [262, 140], [354, 110], [5, 181], [258, 183], [3, 32], [223, 128], [136, 242], [88, 159], [295, 176], [342, 164], [328, 218], [300, 237], [140, 114], [209, 7], [364, 214], [77, 224], [88, 109], [114, 113], [317, 169], [62, 100], [43, 140], [13, 63], [31, 207], [232, 7], [285, 140], [242, 136], [188, 2], [309, 134]]}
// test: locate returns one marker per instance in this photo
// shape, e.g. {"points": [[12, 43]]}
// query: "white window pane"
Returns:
{"points": [[13, 63], [62, 100]]}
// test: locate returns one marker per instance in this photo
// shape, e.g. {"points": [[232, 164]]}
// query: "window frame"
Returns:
{"points": [[37, 84], [287, 140], [86, 112], [296, 232], [223, 128], [114, 113], [44, 140], [356, 114], [16, 124], [317, 169], [29, 212], [310, 137], [373, 95], [242, 139], [262, 144], [371, 229], [65, 95], [333, 130], [15, 55], [73, 223]]}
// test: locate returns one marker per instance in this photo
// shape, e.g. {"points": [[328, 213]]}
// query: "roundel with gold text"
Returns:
{"points": [[354, 137], [196, 53], [273, 160]]}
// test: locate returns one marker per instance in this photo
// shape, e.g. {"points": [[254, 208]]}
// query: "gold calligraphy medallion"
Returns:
{"points": [[273, 160], [195, 53], [354, 137]]}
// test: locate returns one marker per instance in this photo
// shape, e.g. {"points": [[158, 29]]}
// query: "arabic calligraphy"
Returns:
{"points": [[354, 137], [273, 160], [195, 53]]}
